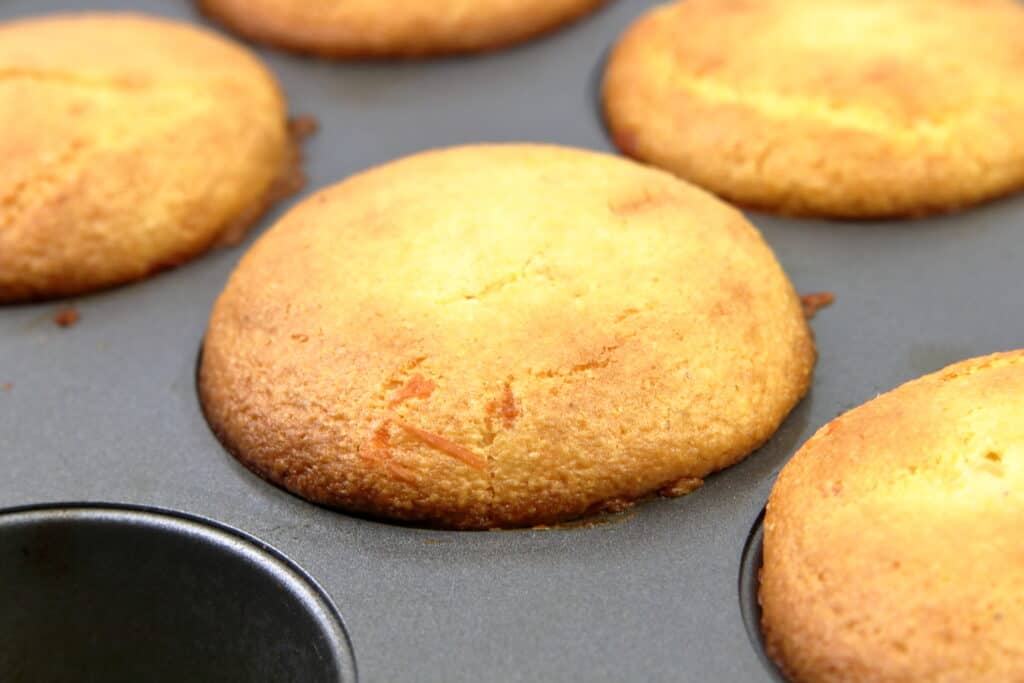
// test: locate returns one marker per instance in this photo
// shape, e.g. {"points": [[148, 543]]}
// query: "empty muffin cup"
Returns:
{"points": [[115, 593]]}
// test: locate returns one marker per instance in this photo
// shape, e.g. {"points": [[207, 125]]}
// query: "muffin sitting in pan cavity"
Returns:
{"points": [[394, 28], [129, 144], [501, 336], [893, 547], [848, 108]]}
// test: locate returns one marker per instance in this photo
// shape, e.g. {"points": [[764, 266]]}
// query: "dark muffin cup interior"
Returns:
{"points": [[750, 608], [112, 594]]}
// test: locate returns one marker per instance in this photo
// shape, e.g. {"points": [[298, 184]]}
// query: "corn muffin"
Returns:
{"points": [[400, 28], [845, 108], [502, 336], [129, 144], [893, 548]]}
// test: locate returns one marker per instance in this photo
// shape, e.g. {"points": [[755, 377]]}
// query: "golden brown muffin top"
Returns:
{"points": [[128, 144], [844, 107], [397, 28], [893, 544], [582, 329]]}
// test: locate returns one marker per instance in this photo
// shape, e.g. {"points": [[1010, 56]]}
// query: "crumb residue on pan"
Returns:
{"points": [[67, 317], [813, 303], [601, 519], [6, 387], [302, 126], [683, 487]]}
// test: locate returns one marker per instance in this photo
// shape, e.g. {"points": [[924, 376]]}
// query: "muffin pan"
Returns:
{"points": [[106, 409], [750, 572], [120, 594]]}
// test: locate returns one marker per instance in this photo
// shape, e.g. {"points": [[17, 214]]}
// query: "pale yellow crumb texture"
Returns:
{"points": [[503, 336], [856, 108], [397, 28], [128, 144], [893, 548]]}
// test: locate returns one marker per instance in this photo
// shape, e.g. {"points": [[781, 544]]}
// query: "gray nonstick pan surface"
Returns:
{"points": [[106, 410]]}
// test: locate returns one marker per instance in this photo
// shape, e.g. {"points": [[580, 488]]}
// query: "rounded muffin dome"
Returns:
{"points": [[893, 548], [851, 108], [396, 28], [498, 336], [129, 144]]}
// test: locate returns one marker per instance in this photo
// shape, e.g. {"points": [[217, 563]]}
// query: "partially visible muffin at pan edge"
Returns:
{"points": [[893, 548], [129, 144], [844, 108], [400, 28], [500, 336]]}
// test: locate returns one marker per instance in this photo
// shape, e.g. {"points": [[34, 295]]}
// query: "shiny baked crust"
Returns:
{"points": [[849, 108]]}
